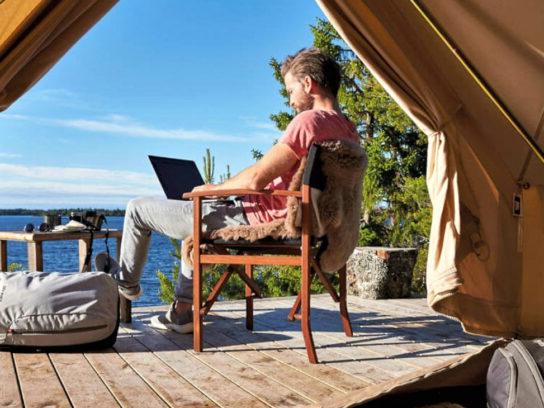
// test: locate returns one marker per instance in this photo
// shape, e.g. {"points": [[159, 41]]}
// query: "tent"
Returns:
{"points": [[35, 34], [471, 75]]}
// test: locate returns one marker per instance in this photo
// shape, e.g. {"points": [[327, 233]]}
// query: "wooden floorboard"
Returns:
{"points": [[203, 377], [164, 381], [266, 367], [128, 388], [82, 384], [39, 383], [235, 329], [331, 356], [265, 388], [10, 395]]}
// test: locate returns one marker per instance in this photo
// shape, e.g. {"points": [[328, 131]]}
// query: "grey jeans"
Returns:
{"points": [[173, 218]]}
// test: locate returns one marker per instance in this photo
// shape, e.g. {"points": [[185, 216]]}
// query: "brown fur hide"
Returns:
{"points": [[336, 210]]}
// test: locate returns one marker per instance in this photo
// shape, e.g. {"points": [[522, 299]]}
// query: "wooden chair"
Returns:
{"points": [[299, 252]]}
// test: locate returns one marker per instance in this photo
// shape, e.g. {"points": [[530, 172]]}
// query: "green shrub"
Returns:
{"points": [[274, 281]]}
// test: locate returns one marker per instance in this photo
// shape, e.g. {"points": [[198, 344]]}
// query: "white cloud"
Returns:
{"points": [[122, 125], [9, 155], [259, 124], [51, 95], [75, 173], [28, 188], [23, 186]]}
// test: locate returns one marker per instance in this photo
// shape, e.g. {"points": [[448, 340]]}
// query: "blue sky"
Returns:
{"points": [[168, 78]]}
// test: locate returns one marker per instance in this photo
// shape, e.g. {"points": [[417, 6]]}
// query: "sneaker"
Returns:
{"points": [[180, 323], [105, 263]]}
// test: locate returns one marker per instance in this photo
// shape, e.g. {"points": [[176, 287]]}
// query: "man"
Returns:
{"points": [[312, 80]]}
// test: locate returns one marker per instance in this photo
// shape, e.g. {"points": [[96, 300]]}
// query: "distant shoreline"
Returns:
{"points": [[62, 211]]}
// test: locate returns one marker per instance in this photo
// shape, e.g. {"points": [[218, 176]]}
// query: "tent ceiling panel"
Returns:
{"points": [[15, 17], [439, 76], [504, 43], [35, 34]]}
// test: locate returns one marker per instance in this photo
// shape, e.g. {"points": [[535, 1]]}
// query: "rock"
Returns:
{"points": [[380, 273]]}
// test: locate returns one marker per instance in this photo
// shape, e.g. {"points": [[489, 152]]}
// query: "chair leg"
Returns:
{"points": [[325, 281], [305, 306], [216, 290], [294, 309], [343, 303], [249, 299], [296, 306]]}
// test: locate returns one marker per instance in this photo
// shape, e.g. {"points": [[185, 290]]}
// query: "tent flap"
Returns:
{"points": [[481, 262], [35, 34]]}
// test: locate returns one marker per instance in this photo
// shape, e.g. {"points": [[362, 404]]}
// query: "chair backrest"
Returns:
{"points": [[334, 171], [313, 173]]}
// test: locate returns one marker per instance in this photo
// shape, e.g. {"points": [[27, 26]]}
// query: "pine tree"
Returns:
{"points": [[396, 208]]}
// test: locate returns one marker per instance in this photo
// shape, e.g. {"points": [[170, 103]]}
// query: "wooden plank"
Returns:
{"points": [[40, 386], [266, 389], [35, 256], [386, 336], [366, 364], [286, 375], [125, 309], [55, 236], [3, 256], [431, 328], [203, 377], [9, 390], [375, 359], [403, 358], [172, 387], [83, 248], [82, 384], [293, 340], [327, 374], [123, 382], [254, 260]]}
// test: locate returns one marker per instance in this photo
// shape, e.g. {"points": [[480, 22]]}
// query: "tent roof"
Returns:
{"points": [[35, 34], [504, 44]]}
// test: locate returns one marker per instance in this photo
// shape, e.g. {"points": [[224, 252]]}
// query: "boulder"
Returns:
{"points": [[381, 273]]}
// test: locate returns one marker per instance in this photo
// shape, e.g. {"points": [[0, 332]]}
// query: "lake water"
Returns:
{"points": [[62, 256]]}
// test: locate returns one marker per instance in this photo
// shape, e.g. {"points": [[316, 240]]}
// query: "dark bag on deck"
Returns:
{"points": [[42, 310], [514, 377]]}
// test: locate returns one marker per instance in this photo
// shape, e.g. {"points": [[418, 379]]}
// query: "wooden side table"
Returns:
{"points": [[35, 240]]}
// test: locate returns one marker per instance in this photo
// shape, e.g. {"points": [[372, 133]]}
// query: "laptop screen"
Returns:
{"points": [[176, 176]]}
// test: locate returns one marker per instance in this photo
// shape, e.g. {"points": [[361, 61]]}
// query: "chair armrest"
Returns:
{"points": [[238, 192]]}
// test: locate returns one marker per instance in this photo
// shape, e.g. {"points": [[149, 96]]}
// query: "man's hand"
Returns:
{"points": [[204, 187]]}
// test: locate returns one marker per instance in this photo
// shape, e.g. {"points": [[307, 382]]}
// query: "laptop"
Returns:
{"points": [[176, 176]]}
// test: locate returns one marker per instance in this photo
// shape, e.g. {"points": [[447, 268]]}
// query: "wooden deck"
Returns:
{"points": [[264, 368]]}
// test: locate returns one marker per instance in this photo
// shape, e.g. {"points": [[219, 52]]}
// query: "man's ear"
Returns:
{"points": [[307, 83]]}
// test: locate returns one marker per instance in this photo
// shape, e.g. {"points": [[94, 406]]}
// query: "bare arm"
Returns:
{"points": [[277, 161]]}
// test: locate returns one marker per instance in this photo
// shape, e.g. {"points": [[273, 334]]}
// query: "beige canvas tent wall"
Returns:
{"points": [[35, 34], [486, 266]]}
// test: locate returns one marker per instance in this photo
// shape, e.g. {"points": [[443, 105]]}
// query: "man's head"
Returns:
{"points": [[307, 72]]}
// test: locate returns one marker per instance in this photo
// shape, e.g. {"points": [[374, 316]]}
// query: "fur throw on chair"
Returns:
{"points": [[336, 214]]}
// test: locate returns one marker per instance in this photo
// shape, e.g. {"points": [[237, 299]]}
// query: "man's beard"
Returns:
{"points": [[307, 103]]}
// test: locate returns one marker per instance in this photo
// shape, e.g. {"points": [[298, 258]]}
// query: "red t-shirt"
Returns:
{"points": [[306, 128]]}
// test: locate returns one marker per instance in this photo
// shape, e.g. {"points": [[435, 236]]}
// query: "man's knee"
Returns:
{"points": [[134, 205]]}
